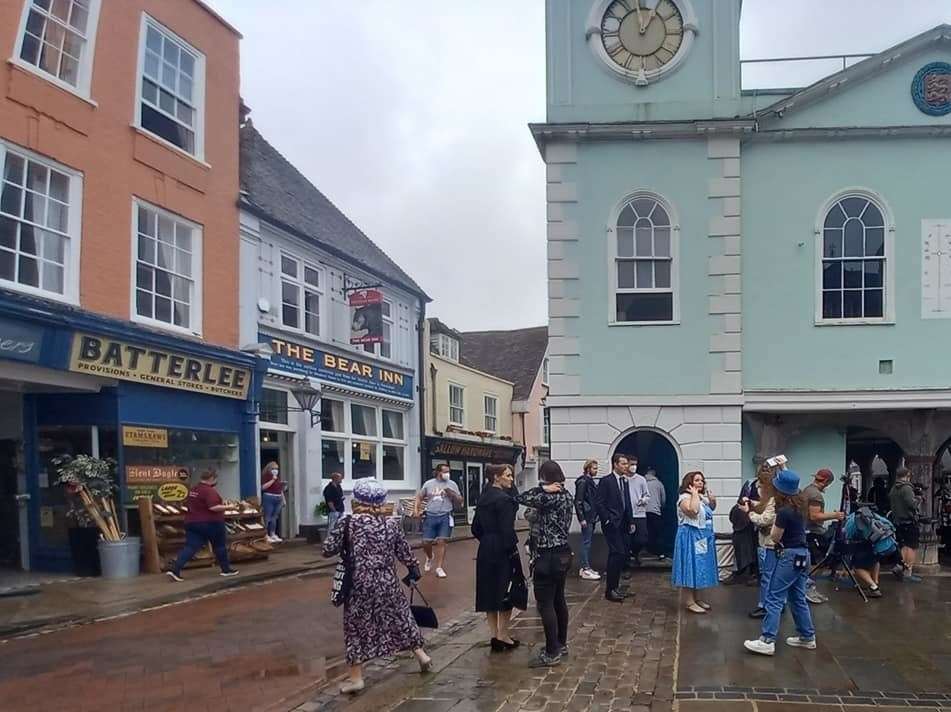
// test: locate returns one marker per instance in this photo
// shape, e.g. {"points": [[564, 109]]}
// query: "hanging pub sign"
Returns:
{"points": [[111, 358], [366, 324]]}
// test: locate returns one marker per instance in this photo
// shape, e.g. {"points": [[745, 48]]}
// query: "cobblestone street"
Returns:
{"points": [[633, 656], [622, 658]]}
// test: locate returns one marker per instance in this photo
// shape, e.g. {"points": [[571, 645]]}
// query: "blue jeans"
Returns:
{"points": [[788, 585], [332, 518], [197, 534], [767, 562], [587, 534], [436, 526], [272, 504]]}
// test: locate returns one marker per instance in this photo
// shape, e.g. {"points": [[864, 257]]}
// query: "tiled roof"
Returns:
{"points": [[514, 355], [274, 189]]}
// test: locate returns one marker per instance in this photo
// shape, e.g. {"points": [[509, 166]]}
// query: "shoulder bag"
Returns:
{"points": [[343, 573]]}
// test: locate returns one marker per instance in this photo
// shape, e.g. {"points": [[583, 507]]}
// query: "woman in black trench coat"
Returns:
{"points": [[497, 561]]}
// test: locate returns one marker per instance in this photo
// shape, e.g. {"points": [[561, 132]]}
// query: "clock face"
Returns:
{"points": [[642, 34]]}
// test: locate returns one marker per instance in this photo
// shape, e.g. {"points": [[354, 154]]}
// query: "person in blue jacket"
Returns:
{"points": [[873, 540]]}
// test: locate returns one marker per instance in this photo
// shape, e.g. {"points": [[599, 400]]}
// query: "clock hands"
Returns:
{"points": [[640, 22], [650, 17]]}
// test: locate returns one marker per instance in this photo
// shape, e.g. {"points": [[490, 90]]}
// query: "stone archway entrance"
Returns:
{"points": [[942, 499], [654, 451], [878, 456]]}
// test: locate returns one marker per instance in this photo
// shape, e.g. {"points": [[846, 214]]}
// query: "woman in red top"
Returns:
{"points": [[204, 524], [272, 499]]}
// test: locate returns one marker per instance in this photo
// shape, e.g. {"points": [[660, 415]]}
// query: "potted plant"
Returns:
{"points": [[312, 531], [90, 485]]}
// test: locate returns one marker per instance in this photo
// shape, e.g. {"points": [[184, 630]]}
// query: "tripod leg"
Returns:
{"points": [[851, 574]]}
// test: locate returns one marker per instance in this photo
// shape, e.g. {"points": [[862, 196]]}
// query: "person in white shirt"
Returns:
{"points": [[655, 508], [640, 496]]}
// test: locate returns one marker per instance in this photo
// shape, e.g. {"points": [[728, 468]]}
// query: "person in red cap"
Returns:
{"points": [[817, 534]]}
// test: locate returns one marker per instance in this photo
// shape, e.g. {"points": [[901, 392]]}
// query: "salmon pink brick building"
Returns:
{"points": [[118, 254]]}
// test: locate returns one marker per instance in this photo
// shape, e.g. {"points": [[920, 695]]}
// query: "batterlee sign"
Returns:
{"points": [[103, 356]]}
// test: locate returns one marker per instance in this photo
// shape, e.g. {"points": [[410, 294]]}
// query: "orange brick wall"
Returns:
{"points": [[118, 162]]}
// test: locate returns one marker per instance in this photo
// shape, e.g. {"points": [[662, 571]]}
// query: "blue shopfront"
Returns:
{"points": [[74, 383]]}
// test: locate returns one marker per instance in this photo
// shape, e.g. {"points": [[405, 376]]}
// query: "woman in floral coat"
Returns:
{"points": [[377, 621]]}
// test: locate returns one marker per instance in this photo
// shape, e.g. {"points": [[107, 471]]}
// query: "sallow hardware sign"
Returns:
{"points": [[111, 358]]}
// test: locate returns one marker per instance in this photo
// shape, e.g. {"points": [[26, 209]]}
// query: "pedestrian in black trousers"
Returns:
{"points": [[616, 514], [552, 559]]}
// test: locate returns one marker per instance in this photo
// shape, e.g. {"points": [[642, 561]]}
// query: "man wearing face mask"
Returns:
{"points": [[272, 499], [438, 497]]}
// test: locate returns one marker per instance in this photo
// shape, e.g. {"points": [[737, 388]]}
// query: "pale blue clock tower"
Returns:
{"points": [[737, 273]]}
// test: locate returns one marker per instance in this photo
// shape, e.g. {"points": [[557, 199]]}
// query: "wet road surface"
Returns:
{"points": [[244, 649]]}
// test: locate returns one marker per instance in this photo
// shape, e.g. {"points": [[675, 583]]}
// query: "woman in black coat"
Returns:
{"points": [[497, 561]]}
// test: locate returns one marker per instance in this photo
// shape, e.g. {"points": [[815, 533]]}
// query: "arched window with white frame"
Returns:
{"points": [[644, 256], [855, 254]]}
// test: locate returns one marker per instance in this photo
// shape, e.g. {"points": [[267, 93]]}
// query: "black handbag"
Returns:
{"points": [[343, 574], [517, 596], [424, 616]]}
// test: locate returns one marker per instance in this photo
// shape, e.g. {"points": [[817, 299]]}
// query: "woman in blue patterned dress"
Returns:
{"points": [[695, 551], [377, 621]]}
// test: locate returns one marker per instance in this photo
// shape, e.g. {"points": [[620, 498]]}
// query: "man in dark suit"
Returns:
{"points": [[615, 511]]}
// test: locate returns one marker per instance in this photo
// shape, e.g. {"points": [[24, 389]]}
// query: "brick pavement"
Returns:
{"points": [[242, 649], [892, 652], [622, 659]]}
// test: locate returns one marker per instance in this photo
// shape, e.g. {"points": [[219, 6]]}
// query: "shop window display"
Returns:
{"points": [[189, 450]]}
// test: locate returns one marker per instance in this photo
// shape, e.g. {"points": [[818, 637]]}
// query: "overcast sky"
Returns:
{"points": [[411, 117]]}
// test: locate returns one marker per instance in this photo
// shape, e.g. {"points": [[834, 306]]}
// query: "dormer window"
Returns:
{"points": [[445, 346]]}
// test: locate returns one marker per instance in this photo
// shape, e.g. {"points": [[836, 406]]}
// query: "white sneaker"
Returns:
{"points": [[440, 573], [276, 539], [797, 642], [760, 647], [590, 575], [428, 566]]}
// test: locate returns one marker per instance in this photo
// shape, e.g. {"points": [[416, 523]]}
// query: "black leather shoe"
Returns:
{"points": [[614, 597], [497, 646], [513, 645], [758, 612]]}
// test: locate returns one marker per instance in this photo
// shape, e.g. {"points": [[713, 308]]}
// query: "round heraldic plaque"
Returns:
{"points": [[931, 89], [641, 40]]}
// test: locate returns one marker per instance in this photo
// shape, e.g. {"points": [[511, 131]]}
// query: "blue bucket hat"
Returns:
{"points": [[786, 482]]}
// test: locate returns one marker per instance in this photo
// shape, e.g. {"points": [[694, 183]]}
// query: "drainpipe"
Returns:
{"points": [[432, 375], [524, 440], [421, 386]]}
